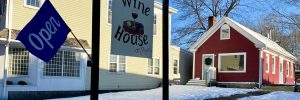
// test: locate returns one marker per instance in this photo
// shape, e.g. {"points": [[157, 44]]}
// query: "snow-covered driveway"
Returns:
{"points": [[177, 92]]}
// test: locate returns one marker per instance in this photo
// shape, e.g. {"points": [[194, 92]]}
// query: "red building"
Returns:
{"points": [[241, 55]]}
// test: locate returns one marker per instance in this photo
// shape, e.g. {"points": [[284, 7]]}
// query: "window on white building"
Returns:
{"points": [[154, 25], [109, 12], [232, 62], [156, 66], [150, 66], [33, 3], [63, 64], [273, 65], [175, 64], [225, 32], [153, 66], [117, 63], [18, 62]]}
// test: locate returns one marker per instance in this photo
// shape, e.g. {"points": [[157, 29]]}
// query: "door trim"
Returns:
{"points": [[280, 81], [213, 63]]}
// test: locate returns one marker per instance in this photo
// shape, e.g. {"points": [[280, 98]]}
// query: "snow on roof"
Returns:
{"points": [[259, 40]]}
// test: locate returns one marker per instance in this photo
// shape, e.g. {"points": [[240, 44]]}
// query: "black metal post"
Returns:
{"points": [[165, 49], [95, 50]]}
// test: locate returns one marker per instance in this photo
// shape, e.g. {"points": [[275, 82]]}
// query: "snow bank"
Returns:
{"points": [[278, 95], [177, 92]]}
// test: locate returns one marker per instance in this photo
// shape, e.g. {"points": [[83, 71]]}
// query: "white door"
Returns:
{"points": [[204, 66], [281, 72]]}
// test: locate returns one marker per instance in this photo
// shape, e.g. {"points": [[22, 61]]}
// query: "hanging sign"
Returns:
{"points": [[132, 27]]}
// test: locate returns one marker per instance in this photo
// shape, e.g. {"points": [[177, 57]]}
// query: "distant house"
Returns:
{"points": [[241, 55]]}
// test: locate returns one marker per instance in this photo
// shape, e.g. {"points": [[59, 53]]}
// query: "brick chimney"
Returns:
{"points": [[211, 21]]}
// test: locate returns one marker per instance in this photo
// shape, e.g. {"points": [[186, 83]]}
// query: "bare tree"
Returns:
{"points": [[195, 15], [292, 20]]}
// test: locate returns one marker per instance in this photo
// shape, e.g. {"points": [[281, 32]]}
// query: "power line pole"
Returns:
{"points": [[166, 44], [95, 50]]}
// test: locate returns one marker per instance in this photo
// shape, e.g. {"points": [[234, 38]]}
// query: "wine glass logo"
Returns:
{"points": [[134, 15]]}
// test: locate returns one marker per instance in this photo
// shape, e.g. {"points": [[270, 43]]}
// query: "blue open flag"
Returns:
{"points": [[45, 33]]}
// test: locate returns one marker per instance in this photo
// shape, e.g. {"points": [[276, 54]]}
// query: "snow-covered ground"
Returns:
{"points": [[278, 95], [177, 92]]}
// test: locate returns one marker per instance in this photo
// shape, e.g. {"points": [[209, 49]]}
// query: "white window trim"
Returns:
{"points": [[288, 69], [177, 66], [273, 65], [118, 70], [226, 54], [267, 61], [32, 7], [221, 32]]}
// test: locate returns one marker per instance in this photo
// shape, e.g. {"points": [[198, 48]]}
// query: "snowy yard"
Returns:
{"points": [[177, 92], [278, 95]]}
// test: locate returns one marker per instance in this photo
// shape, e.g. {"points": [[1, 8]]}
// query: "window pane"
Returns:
{"points": [[122, 67], [150, 62], [28, 2], [122, 59], [54, 66], [109, 11], [150, 66], [175, 64], [156, 70], [18, 61], [150, 70], [232, 63], [113, 67], [156, 62], [113, 58], [71, 64], [110, 5], [32, 3]]}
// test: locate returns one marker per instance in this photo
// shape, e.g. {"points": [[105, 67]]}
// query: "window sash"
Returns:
{"points": [[34, 3], [150, 66], [154, 25], [109, 12], [273, 65], [287, 68], [235, 55], [175, 64], [63, 64], [18, 62], [153, 66], [267, 63], [117, 63], [156, 66]]}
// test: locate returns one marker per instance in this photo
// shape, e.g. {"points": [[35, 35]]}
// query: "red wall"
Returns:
{"points": [[236, 43], [270, 78]]}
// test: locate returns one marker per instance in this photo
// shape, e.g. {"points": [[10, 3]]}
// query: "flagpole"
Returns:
{"points": [[166, 49], [81, 45], [9, 25], [95, 49]]}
